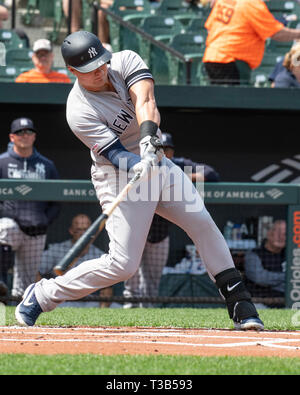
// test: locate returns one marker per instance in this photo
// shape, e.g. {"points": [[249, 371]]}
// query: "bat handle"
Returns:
{"points": [[135, 178], [58, 272]]}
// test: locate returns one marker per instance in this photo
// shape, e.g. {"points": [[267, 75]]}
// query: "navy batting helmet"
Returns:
{"points": [[84, 52], [167, 140]]}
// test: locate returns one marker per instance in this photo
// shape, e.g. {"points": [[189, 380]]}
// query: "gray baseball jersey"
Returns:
{"points": [[98, 119]]}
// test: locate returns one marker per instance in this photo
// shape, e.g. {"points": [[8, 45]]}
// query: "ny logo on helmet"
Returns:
{"points": [[92, 52]]}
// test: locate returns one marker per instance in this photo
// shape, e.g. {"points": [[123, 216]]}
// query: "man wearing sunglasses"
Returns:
{"points": [[23, 224]]}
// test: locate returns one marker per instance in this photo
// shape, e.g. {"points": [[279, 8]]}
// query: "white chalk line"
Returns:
{"points": [[143, 334], [224, 345], [255, 341]]}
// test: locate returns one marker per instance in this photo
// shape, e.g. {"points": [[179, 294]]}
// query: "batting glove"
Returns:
{"points": [[151, 146], [146, 166]]}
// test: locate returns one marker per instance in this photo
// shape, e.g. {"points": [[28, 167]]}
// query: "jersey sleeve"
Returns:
{"points": [[261, 19], [134, 69]]}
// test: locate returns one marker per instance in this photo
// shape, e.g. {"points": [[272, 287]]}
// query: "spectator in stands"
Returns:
{"points": [[103, 24], [265, 266], [3, 15], [145, 281], [289, 75], [237, 31], [76, 14], [23, 223], [43, 58], [56, 251], [278, 68]]}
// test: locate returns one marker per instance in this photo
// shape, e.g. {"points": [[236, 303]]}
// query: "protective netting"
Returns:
{"points": [[171, 272]]}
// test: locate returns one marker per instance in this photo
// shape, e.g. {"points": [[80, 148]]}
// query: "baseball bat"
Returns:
{"points": [[93, 231]]}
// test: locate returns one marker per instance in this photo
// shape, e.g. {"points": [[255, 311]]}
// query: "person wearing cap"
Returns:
{"points": [[42, 58], [24, 224], [112, 109], [145, 282]]}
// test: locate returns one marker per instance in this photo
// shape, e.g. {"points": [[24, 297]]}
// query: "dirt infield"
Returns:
{"points": [[137, 340]]}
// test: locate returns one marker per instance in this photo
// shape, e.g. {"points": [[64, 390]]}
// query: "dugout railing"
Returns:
{"points": [[217, 194]]}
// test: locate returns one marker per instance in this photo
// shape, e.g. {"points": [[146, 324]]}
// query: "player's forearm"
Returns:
{"points": [[286, 34], [146, 110], [143, 98]]}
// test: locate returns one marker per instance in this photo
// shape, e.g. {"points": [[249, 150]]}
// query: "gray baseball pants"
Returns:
{"points": [[173, 197], [145, 281]]}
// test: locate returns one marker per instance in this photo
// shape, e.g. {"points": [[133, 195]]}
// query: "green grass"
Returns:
{"points": [[275, 319], [87, 364]]}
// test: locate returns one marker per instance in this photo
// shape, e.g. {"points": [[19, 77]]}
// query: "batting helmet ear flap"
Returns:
{"points": [[84, 52]]}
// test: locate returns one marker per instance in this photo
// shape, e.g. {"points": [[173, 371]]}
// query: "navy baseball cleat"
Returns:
{"points": [[251, 323], [28, 310]]}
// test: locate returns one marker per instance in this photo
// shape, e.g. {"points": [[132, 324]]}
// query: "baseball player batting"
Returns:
{"points": [[112, 110]]}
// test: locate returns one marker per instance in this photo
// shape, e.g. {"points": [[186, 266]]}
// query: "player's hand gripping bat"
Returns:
{"points": [[93, 231]]}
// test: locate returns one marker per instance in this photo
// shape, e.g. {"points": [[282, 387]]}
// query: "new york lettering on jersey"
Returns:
{"points": [[122, 121]]}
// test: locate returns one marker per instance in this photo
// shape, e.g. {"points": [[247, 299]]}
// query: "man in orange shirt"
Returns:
{"points": [[237, 31], [42, 59]]}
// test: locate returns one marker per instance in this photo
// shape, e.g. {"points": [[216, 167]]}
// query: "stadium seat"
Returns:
{"points": [[87, 23], [65, 71], [161, 28], [132, 11], [19, 58], [178, 9], [283, 6], [260, 77], [189, 44], [31, 9], [278, 47], [271, 58], [196, 24], [10, 39], [9, 73], [192, 46], [129, 7], [46, 8], [172, 7], [58, 20]]}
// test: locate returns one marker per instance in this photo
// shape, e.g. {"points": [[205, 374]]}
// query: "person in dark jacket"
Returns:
{"points": [[24, 224], [145, 281], [289, 75], [265, 266]]}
